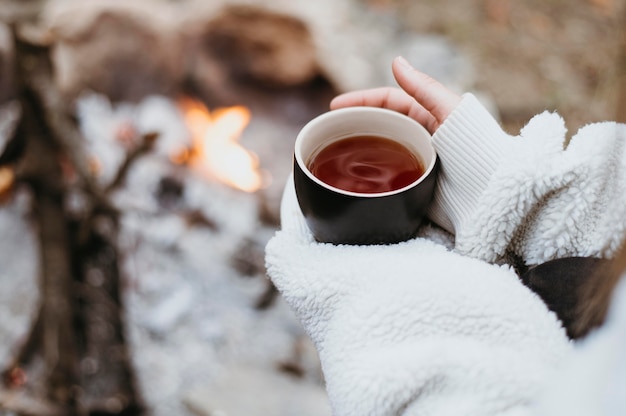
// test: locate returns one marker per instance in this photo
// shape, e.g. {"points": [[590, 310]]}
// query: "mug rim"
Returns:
{"points": [[333, 113]]}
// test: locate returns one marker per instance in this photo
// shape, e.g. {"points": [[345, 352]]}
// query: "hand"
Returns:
{"points": [[421, 97]]}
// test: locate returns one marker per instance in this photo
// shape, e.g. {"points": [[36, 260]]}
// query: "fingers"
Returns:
{"points": [[391, 98], [428, 92], [421, 97]]}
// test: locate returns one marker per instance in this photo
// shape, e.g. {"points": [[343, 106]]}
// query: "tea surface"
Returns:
{"points": [[366, 164]]}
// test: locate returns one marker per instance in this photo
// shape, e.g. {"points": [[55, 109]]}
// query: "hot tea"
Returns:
{"points": [[384, 157], [366, 164]]}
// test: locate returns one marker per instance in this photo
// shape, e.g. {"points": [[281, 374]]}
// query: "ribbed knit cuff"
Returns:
{"points": [[470, 145]]}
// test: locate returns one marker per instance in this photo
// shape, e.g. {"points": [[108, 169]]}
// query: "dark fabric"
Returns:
{"points": [[559, 283]]}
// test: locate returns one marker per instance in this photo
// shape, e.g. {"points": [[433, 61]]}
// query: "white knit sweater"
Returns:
{"points": [[417, 329]]}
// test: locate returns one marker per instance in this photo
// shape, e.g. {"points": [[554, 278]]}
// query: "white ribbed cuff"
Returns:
{"points": [[470, 145]]}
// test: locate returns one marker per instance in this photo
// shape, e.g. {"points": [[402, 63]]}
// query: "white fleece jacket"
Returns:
{"points": [[526, 194], [417, 329]]}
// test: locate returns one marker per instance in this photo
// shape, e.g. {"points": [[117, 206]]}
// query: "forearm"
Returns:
{"points": [[413, 326], [525, 195]]}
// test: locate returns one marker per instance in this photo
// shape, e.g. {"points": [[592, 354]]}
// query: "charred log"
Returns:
{"points": [[78, 337]]}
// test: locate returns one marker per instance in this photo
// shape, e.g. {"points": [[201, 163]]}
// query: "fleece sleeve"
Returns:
{"points": [[413, 328], [530, 195]]}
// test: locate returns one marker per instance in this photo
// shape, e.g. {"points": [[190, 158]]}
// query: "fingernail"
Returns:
{"points": [[403, 62]]}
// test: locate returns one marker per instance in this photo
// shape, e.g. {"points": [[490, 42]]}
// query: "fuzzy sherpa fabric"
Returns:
{"points": [[417, 328], [413, 328], [529, 195]]}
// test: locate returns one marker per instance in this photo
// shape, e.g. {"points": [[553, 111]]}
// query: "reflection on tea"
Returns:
{"points": [[366, 164]]}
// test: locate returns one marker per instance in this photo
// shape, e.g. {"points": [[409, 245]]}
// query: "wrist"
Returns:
{"points": [[470, 145]]}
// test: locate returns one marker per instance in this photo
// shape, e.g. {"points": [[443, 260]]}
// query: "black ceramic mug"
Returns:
{"points": [[341, 216]]}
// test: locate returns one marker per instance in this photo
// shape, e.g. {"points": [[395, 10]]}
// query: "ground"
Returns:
{"points": [[532, 55]]}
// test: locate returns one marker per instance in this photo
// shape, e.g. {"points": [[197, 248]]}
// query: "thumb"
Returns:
{"points": [[427, 91]]}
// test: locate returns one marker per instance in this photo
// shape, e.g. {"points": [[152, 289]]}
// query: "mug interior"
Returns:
{"points": [[354, 121]]}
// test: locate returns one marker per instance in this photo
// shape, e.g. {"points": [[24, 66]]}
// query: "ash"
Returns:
{"points": [[207, 334], [192, 313], [18, 274]]}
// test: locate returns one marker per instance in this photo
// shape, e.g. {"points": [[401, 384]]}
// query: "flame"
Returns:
{"points": [[7, 179], [216, 150]]}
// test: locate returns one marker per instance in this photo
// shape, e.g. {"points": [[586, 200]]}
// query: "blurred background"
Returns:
{"points": [[532, 55], [144, 147]]}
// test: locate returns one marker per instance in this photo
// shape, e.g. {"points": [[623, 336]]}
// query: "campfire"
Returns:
{"points": [[164, 212], [135, 220], [215, 150]]}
